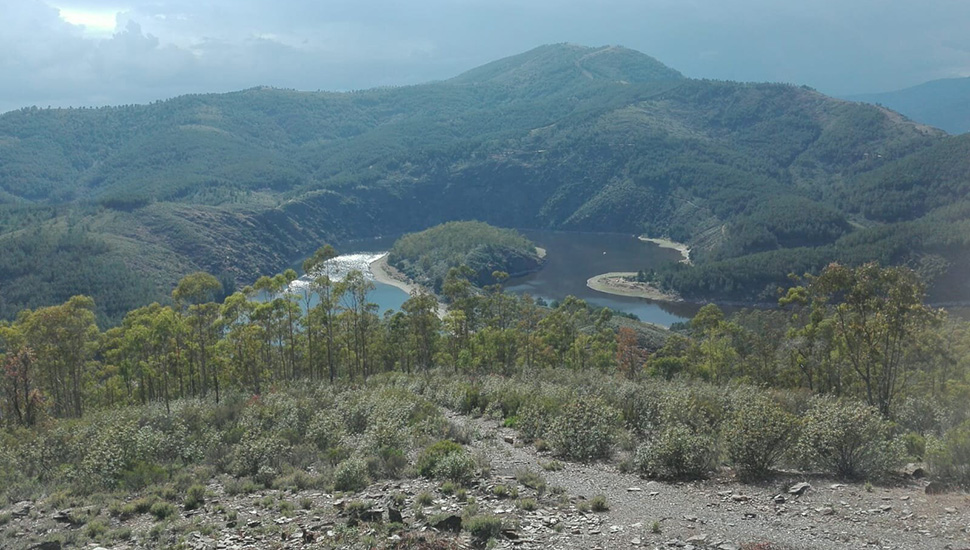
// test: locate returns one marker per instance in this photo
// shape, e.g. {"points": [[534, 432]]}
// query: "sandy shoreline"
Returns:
{"points": [[617, 283], [389, 275], [385, 273], [667, 243]]}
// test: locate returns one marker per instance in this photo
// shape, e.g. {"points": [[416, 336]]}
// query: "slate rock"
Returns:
{"points": [[449, 523]]}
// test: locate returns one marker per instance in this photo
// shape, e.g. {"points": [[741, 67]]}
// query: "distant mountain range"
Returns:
{"points": [[942, 103], [761, 179]]}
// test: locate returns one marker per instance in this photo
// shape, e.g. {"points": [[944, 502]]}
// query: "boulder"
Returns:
{"points": [[448, 523]]}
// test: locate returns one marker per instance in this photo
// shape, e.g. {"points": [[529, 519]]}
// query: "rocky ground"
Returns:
{"points": [[541, 506]]}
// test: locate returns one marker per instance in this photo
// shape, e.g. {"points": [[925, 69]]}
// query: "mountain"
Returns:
{"points": [[760, 179], [941, 103]]}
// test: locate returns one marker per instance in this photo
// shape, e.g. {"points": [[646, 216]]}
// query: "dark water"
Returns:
{"points": [[572, 258]]}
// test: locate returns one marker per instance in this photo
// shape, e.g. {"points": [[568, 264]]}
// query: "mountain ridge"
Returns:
{"points": [[241, 184], [943, 103]]}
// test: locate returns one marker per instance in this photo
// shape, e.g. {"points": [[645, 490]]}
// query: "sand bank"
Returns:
{"points": [[620, 285], [667, 243]]}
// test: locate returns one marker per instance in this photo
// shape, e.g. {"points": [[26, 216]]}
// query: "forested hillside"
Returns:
{"points": [[760, 179], [480, 249]]}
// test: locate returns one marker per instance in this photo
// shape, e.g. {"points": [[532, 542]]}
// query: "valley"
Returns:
{"points": [[759, 180]]}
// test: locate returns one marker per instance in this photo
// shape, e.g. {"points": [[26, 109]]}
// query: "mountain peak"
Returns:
{"points": [[563, 63]]}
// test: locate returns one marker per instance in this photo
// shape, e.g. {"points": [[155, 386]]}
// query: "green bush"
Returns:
{"points": [[584, 430], [757, 435], [326, 430], [424, 498], [457, 467], [483, 528], [95, 529], [531, 479], [850, 440], [677, 453], [162, 510], [194, 497], [948, 458], [351, 475], [599, 504], [432, 454]]}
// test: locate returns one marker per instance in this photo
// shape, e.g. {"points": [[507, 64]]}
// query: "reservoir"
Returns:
{"points": [[571, 259]]}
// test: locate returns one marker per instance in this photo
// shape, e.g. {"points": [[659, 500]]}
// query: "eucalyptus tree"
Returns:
{"points": [[320, 319], [63, 340], [421, 312], [879, 317], [360, 318], [195, 296]]}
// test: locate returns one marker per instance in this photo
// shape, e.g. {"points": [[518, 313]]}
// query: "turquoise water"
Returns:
{"points": [[359, 255], [571, 259]]}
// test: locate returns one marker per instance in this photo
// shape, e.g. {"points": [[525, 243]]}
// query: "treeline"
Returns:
{"points": [[59, 364]]}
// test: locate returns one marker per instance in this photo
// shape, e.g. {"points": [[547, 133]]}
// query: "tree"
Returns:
{"points": [[196, 293], [360, 317], [629, 356], [718, 355], [63, 339], [421, 311], [878, 315], [323, 316]]}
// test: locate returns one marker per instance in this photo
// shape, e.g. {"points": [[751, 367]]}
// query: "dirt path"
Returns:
{"points": [[724, 514]]}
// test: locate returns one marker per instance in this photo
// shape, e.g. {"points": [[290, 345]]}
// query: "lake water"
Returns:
{"points": [[359, 255], [571, 259]]}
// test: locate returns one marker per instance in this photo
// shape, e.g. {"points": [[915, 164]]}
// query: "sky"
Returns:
{"points": [[110, 52]]}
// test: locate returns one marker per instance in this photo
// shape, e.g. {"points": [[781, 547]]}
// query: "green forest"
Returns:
{"points": [[761, 180]]}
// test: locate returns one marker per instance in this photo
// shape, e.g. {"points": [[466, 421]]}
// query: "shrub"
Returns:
{"points": [[432, 454], [585, 430], [483, 528], [599, 504], [531, 479], [533, 419], [194, 497], [677, 453], [95, 529], [326, 429], [849, 440], [424, 498], [162, 510], [457, 467], [948, 459], [920, 415], [350, 475], [757, 435], [552, 466]]}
